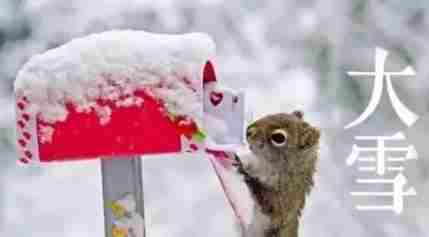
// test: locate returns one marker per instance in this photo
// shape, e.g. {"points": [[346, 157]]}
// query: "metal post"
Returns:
{"points": [[122, 177]]}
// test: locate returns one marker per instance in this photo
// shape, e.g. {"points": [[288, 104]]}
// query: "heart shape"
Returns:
{"points": [[216, 97]]}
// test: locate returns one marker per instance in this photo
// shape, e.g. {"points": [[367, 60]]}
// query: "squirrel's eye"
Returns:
{"points": [[278, 137]]}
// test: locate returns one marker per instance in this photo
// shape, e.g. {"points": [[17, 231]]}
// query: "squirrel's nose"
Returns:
{"points": [[251, 132]]}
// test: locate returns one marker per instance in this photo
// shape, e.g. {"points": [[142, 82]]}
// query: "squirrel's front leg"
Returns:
{"points": [[253, 169], [245, 167]]}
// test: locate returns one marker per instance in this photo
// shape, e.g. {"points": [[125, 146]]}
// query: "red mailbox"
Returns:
{"points": [[113, 94]]}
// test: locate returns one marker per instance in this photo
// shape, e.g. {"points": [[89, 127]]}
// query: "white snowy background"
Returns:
{"points": [[285, 54]]}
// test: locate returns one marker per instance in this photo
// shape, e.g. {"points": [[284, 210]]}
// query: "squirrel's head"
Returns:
{"points": [[276, 135]]}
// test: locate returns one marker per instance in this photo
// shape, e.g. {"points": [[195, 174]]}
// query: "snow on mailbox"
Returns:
{"points": [[114, 93], [122, 94]]}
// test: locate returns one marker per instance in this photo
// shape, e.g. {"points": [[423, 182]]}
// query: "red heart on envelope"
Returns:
{"points": [[216, 97]]}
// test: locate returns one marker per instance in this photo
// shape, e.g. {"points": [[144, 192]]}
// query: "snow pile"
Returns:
{"points": [[112, 66]]}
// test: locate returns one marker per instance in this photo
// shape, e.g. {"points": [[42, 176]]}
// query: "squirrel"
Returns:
{"points": [[279, 174]]}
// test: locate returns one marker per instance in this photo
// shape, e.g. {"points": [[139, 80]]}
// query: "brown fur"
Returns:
{"points": [[291, 168]]}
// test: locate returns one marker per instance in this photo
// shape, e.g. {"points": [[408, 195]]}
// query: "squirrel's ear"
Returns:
{"points": [[298, 113]]}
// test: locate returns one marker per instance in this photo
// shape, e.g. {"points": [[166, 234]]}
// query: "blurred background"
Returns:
{"points": [[285, 54]]}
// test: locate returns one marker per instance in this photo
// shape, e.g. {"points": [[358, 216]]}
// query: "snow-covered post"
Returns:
{"points": [[115, 96]]}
